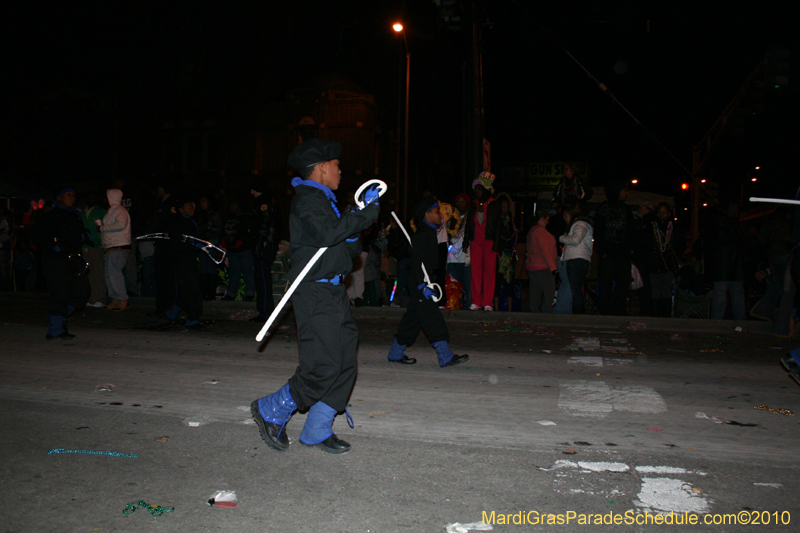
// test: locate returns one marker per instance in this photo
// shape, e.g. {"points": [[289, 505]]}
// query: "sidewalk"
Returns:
{"points": [[243, 311], [219, 310]]}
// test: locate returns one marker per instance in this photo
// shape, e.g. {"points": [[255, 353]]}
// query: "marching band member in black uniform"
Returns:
{"points": [[59, 234], [327, 334], [423, 312]]}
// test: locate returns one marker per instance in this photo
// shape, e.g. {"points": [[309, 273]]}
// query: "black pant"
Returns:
{"points": [[263, 273], [614, 283], [421, 314], [189, 296], [327, 339], [166, 284], [576, 273], [65, 288]]}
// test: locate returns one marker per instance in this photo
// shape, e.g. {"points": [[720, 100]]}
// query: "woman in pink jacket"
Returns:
{"points": [[541, 264]]}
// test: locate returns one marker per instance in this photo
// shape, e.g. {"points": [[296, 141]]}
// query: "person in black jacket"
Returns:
{"points": [[239, 241], [327, 334], [163, 260], [266, 246], [724, 239], [667, 244], [59, 234], [189, 296], [613, 239], [423, 312]]}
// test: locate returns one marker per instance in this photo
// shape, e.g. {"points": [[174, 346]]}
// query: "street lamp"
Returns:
{"points": [[398, 28]]}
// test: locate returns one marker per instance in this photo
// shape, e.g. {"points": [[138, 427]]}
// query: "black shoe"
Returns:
{"points": [[258, 318], [457, 360], [64, 336], [156, 314], [404, 361], [271, 433], [332, 444]]}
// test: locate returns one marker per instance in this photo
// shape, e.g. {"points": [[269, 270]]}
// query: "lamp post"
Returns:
{"points": [[398, 27]]}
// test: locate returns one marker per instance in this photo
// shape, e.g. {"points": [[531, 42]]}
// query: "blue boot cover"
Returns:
{"points": [[173, 312], [396, 351], [277, 408], [56, 325], [795, 355], [319, 424], [444, 352]]}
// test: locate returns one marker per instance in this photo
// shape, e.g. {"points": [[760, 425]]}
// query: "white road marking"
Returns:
{"points": [[594, 344], [663, 495], [597, 399], [588, 360]]}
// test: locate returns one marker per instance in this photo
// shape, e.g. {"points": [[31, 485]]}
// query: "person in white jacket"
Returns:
{"points": [[577, 253], [115, 234]]}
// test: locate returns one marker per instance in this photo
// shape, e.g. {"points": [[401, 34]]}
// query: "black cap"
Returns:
{"points": [[314, 151], [424, 205]]}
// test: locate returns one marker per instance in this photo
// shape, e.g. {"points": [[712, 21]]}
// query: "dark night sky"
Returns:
{"points": [[147, 58]]}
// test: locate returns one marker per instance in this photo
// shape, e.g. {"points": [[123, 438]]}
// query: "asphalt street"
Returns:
{"points": [[557, 415]]}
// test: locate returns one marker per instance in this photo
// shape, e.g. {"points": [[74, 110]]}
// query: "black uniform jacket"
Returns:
{"points": [[424, 247], [266, 228], [314, 224], [59, 227]]}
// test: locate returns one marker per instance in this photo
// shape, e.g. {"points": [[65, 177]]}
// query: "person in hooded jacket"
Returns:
{"points": [[326, 332], [115, 233], [59, 235]]}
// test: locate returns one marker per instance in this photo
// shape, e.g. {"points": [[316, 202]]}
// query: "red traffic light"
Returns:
{"points": [[684, 186]]}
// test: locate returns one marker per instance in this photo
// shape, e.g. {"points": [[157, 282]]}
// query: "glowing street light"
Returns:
{"points": [[398, 28], [634, 181]]}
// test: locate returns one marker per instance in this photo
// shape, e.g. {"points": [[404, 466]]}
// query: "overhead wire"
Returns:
{"points": [[602, 86]]}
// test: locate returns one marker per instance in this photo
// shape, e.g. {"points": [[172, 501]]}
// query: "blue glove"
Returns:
{"points": [[427, 292], [371, 195]]}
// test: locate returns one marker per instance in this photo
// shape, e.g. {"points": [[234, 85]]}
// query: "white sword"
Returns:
{"points": [[425, 277], [301, 276], [774, 200]]}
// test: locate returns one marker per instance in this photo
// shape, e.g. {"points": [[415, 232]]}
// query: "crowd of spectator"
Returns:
{"points": [[488, 258]]}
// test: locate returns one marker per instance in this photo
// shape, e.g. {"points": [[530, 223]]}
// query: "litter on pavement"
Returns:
{"points": [[92, 452], [155, 510], [466, 528], [554, 467], [782, 411], [715, 419], [546, 422], [224, 498]]}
